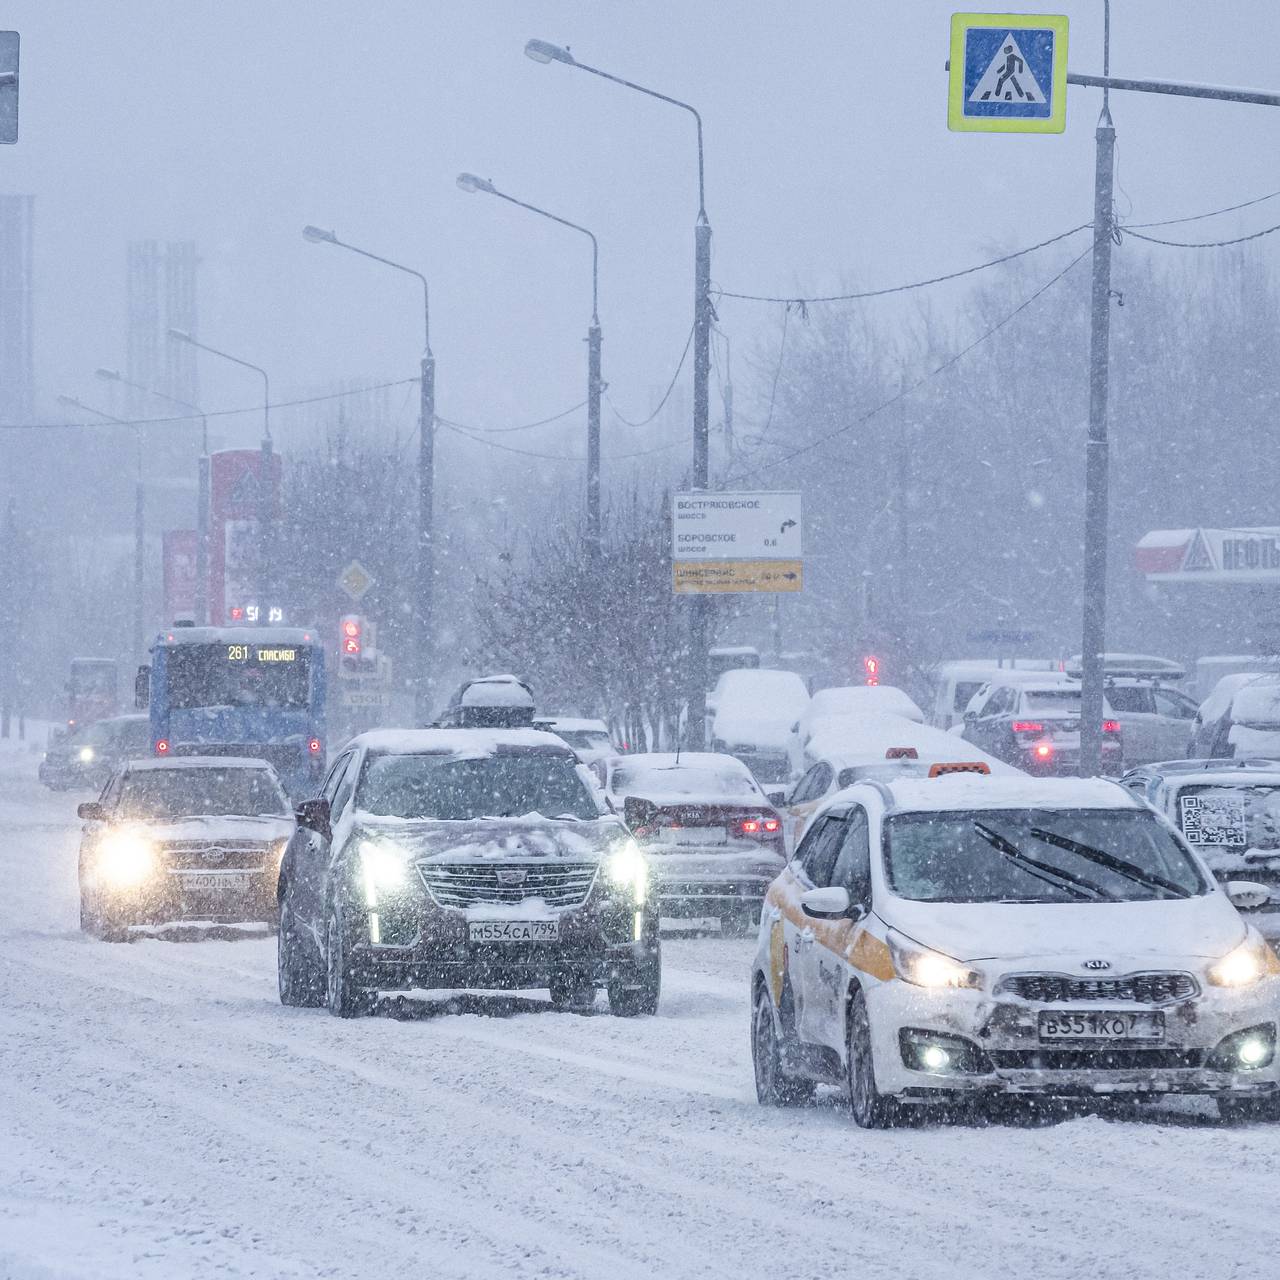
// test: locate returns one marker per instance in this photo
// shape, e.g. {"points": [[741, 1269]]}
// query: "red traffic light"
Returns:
{"points": [[350, 636]]}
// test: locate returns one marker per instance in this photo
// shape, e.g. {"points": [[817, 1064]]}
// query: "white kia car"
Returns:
{"points": [[937, 939]]}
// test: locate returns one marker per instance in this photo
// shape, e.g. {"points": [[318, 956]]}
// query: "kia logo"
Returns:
{"points": [[1097, 964]]}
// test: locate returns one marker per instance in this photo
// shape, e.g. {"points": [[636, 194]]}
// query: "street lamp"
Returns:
{"points": [[264, 468], [424, 596], [139, 522], [202, 487], [544, 51], [469, 182]]}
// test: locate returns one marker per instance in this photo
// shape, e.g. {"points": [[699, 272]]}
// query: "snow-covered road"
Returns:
{"points": [[162, 1116]]}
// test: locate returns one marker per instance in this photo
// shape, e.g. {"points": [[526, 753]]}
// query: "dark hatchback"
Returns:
{"points": [[464, 858]]}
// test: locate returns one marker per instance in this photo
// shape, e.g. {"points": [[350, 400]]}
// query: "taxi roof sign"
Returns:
{"points": [[1008, 73]]}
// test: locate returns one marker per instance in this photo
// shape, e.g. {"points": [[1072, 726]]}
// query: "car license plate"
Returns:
{"points": [[1073, 1025], [217, 882], [694, 835], [514, 930]]}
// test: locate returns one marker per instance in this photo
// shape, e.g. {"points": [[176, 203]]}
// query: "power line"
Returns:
{"points": [[211, 413], [524, 426], [904, 288], [1199, 244], [907, 390], [1213, 213], [554, 457], [666, 395]]}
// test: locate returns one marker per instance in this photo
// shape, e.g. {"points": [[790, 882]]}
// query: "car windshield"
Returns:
{"points": [[584, 739], [680, 781], [164, 794], [1037, 855], [1229, 818], [456, 789]]}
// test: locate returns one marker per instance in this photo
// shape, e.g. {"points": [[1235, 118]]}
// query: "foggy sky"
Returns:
{"points": [[828, 161]]}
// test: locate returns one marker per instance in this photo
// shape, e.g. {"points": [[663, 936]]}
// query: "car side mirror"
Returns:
{"points": [[636, 811], [827, 904], [970, 717], [776, 798], [795, 728], [314, 816], [91, 811], [1247, 894]]}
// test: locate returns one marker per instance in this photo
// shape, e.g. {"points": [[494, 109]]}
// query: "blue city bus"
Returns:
{"points": [[242, 691]]}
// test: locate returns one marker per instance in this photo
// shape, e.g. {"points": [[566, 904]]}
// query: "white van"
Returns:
{"points": [[751, 717], [954, 683]]}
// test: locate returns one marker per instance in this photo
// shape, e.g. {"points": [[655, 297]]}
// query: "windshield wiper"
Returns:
{"points": [[1111, 862], [1050, 875]]}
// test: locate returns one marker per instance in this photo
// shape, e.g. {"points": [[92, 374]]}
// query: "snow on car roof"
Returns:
{"points": [[848, 743], [973, 791], [197, 762], [1258, 703], [662, 761], [408, 742], [496, 691], [1252, 775]]}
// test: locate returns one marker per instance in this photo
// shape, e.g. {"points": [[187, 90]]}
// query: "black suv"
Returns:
{"points": [[464, 858]]}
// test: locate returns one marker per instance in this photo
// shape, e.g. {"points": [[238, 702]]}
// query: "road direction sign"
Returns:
{"points": [[736, 542], [355, 580], [713, 577], [1008, 73], [9, 41]]}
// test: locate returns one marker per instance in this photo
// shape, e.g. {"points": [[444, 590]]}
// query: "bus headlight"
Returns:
{"points": [[383, 869], [126, 859], [628, 870]]}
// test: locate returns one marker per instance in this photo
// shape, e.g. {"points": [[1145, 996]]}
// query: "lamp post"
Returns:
{"points": [[264, 467], [139, 523], [202, 488], [469, 182], [545, 52], [424, 596]]}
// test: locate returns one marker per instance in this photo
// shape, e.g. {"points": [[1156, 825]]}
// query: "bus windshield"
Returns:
{"points": [[237, 675]]}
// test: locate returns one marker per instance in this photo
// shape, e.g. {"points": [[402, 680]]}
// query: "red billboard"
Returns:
{"points": [[180, 550]]}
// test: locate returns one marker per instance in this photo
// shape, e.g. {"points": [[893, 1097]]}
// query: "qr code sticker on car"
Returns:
{"points": [[1217, 820]]}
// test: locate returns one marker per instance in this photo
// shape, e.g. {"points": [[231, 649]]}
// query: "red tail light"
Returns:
{"points": [[1043, 751], [902, 753], [1027, 726], [772, 824], [1111, 726], [751, 826], [314, 746], [162, 747]]}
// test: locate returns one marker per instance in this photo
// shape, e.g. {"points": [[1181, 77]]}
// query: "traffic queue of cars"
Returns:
{"points": [[928, 930]]}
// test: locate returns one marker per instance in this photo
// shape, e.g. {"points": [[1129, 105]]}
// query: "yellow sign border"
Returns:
{"points": [[960, 25], [737, 577]]}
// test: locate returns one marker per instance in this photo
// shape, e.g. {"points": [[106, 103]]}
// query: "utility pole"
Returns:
{"points": [[593, 438], [700, 630], [424, 596]]}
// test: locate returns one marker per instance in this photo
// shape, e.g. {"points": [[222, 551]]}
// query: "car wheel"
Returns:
{"points": [[300, 974], [1249, 1110], [870, 1108], [573, 993], [741, 922], [634, 990], [774, 1086], [343, 996]]}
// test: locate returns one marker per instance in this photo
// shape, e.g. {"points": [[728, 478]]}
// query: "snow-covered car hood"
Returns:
{"points": [[222, 828], [502, 839], [762, 732], [1206, 928]]}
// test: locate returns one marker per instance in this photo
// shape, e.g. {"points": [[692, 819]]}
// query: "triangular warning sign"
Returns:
{"points": [[1008, 78], [1198, 558], [245, 491]]}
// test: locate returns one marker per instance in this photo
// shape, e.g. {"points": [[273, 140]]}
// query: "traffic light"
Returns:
{"points": [[871, 666], [351, 636]]}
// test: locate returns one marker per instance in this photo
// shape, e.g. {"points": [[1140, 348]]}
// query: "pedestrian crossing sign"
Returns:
{"points": [[1008, 73]]}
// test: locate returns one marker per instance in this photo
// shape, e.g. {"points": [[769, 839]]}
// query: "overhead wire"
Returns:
{"points": [[909, 389], [666, 395], [524, 426], [555, 457], [1213, 213], [1199, 244]]}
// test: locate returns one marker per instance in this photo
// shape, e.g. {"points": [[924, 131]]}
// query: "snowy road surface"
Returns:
{"points": [[162, 1116]]}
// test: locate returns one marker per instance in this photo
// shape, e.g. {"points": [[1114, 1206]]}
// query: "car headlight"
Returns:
{"points": [[923, 967], [383, 868], [126, 859], [86, 755], [627, 869], [1249, 963]]}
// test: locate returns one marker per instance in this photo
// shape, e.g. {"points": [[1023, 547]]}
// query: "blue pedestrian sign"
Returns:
{"points": [[1008, 73]]}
